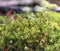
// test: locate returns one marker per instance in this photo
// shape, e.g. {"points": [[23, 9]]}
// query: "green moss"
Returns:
{"points": [[32, 31]]}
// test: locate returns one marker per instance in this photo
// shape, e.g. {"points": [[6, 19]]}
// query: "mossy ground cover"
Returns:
{"points": [[39, 31]]}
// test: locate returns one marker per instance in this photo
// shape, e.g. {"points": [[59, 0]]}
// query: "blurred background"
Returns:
{"points": [[20, 5]]}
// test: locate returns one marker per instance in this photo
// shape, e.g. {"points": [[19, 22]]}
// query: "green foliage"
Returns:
{"points": [[45, 3], [39, 31]]}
